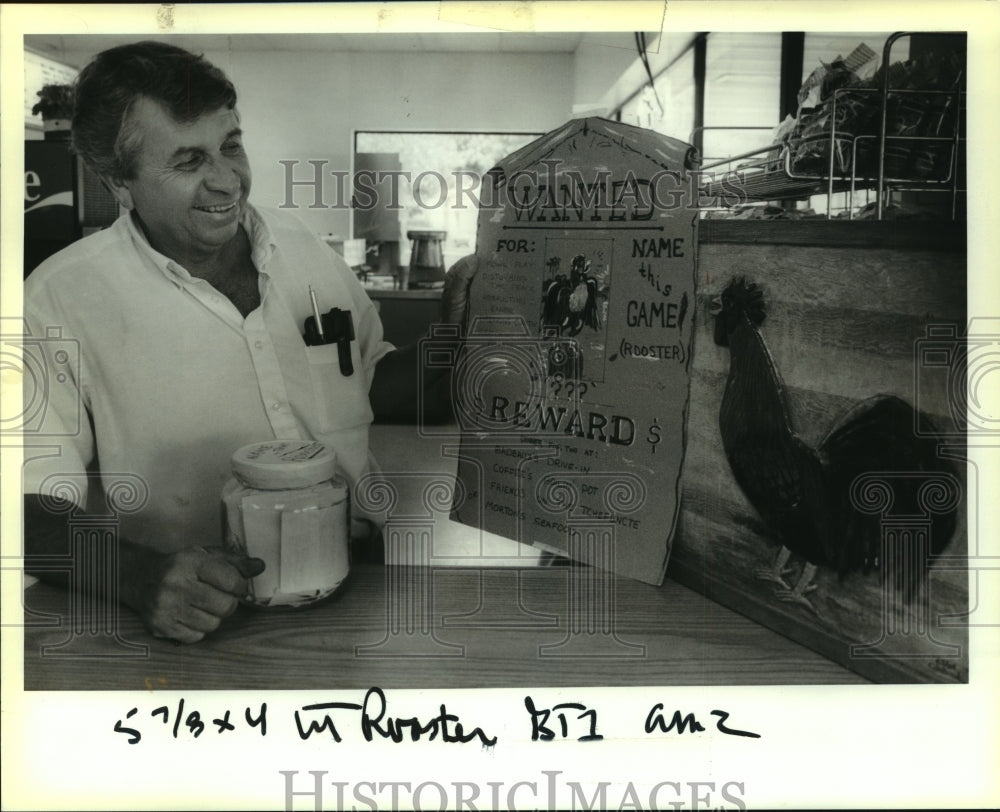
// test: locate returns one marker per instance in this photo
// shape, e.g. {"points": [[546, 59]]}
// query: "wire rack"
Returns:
{"points": [[847, 162]]}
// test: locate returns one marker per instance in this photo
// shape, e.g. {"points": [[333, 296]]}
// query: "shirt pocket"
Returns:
{"points": [[341, 400]]}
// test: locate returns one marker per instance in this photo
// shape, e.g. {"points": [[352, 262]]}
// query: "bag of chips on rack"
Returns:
{"points": [[923, 102], [846, 71], [780, 138]]}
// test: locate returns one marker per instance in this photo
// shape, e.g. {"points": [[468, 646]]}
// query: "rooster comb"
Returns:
{"points": [[748, 296]]}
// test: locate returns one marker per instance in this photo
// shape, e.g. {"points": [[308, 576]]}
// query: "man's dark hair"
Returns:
{"points": [[187, 85]]}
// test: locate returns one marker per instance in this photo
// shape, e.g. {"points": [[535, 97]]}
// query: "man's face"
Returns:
{"points": [[191, 181]]}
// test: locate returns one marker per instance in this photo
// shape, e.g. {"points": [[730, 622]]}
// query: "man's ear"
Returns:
{"points": [[120, 189]]}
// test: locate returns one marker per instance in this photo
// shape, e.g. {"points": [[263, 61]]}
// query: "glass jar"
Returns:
{"points": [[286, 504]]}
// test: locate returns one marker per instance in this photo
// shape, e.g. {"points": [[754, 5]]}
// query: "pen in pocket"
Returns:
{"points": [[333, 327]]}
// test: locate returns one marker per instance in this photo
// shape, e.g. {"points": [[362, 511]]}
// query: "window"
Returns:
{"points": [[742, 87], [441, 188], [670, 109], [742, 83]]}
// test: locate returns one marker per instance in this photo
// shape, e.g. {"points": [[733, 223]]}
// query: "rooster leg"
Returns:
{"points": [[777, 570], [802, 588]]}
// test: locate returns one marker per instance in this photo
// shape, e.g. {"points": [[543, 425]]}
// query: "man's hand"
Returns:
{"points": [[401, 385], [189, 592], [183, 595], [455, 296]]}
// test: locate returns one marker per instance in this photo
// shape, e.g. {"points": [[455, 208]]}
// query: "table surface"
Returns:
{"points": [[483, 614], [486, 628]]}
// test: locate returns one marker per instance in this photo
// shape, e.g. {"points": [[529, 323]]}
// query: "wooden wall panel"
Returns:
{"points": [[843, 322]]}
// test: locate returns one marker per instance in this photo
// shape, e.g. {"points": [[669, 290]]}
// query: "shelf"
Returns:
{"points": [[388, 293], [775, 180], [837, 160], [767, 179]]}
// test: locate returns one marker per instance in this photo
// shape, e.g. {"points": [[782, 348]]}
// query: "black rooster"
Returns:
{"points": [[803, 494], [570, 303]]}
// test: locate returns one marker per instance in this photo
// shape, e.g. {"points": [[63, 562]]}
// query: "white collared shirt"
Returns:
{"points": [[154, 378]]}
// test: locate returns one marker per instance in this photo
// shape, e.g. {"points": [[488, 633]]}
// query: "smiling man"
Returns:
{"points": [[190, 184], [184, 326]]}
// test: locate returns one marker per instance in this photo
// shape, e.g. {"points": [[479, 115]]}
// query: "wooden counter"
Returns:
{"points": [[378, 294], [474, 634], [687, 640], [915, 235]]}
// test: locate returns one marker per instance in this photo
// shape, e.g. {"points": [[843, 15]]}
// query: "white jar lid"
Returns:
{"points": [[278, 464]]}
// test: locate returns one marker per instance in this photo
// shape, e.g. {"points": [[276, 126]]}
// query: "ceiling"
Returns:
{"points": [[69, 47]]}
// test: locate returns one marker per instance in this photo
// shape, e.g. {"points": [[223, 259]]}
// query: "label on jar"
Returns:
{"points": [[303, 539], [312, 555], [284, 452]]}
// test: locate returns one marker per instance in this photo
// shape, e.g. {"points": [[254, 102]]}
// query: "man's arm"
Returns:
{"points": [[182, 595], [403, 390]]}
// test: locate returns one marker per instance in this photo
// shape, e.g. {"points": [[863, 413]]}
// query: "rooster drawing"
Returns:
{"points": [[801, 493], [570, 303]]}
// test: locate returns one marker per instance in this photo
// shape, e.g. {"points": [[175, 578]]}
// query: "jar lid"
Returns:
{"points": [[277, 464]]}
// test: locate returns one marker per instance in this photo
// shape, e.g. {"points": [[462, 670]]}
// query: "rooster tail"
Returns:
{"points": [[878, 436]]}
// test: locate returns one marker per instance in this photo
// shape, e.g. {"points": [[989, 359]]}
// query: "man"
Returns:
{"points": [[184, 326]]}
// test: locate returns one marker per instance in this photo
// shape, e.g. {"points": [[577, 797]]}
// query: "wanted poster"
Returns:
{"points": [[573, 389]]}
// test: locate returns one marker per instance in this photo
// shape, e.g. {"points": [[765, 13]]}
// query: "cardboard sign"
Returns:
{"points": [[572, 391]]}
